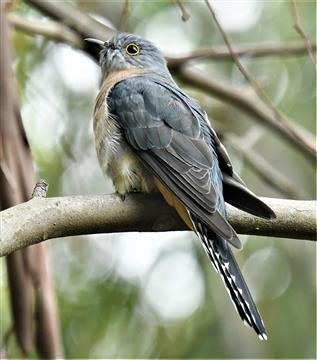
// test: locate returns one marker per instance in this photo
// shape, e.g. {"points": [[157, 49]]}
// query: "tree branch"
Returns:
{"points": [[50, 29], [73, 18], [298, 27], [123, 21], [278, 115], [229, 94], [253, 51], [83, 24], [185, 16], [45, 218]]}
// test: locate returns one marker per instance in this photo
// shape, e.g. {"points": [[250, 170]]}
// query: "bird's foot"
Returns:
{"points": [[122, 196]]}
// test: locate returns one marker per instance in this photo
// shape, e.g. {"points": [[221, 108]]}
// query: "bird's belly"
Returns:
{"points": [[118, 160]]}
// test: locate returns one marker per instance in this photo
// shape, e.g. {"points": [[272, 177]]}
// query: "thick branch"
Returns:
{"points": [[73, 18], [50, 29], [40, 219]]}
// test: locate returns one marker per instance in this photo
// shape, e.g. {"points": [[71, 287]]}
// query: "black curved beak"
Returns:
{"points": [[101, 43]]}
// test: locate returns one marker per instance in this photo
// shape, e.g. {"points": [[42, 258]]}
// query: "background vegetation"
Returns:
{"points": [[156, 295]]}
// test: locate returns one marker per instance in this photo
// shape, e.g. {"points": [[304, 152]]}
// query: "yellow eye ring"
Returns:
{"points": [[132, 49]]}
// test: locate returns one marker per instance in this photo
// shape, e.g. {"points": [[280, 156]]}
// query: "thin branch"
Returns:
{"points": [[45, 218], [259, 91], [229, 94], [124, 16], [298, 27], [184, 13], [252, 51], [50, 29]]}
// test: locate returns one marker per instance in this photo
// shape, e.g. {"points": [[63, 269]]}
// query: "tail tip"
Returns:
{"points": [[262, 336], [272, 215], [267, 213]]}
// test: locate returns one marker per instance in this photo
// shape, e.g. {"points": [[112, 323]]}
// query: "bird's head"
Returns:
{"points": [[126, 51]]}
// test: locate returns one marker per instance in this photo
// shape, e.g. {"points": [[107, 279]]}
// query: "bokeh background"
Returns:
{"points": [[155, 295]]}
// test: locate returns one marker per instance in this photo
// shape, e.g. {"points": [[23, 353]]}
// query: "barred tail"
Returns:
{"points": [[225, 264]]}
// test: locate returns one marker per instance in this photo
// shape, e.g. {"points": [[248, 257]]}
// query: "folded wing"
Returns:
{"points": [[166, 132]]}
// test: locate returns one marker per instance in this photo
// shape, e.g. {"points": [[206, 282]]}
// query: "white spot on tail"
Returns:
{"points": [[262, 336]]}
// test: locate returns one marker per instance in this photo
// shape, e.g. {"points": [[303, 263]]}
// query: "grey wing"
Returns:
{"points": [[167, 135]]}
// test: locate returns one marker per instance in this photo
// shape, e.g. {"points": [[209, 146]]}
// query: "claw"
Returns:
{"points": [[122, 196]]}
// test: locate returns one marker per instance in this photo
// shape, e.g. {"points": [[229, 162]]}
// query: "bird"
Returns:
{"points": [[151, 136]]}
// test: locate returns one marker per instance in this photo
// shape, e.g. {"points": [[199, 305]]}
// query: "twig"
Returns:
{"points": [[253, 51], [40, 189], [45, 218], [184, 13], [50, 29], [298, 27], [258, 90], [124, 16], [263, 168]]}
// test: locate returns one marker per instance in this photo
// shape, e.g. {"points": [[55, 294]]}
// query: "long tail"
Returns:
{"points": [[226, 266]]}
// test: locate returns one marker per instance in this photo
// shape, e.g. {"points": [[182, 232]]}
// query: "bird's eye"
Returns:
{"points": [[132, 49]]}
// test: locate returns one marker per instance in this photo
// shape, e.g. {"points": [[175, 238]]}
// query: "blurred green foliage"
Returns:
{"points": [[156, 296]]}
